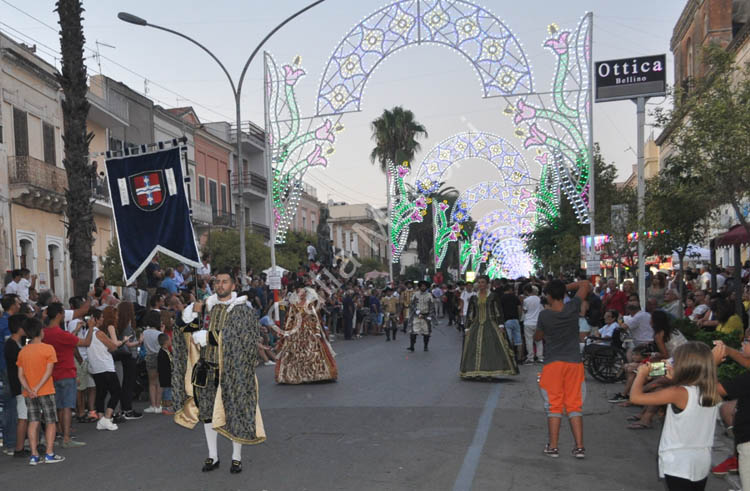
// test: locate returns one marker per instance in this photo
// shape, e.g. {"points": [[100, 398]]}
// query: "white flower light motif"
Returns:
{"points": [[351, 66], [444, 154], [467, 28], [460, 146], [493, 49], [496, 149], [339, 96], [372, 39], [437, 18], [402, 23], [508, 161], [432, 168], [507, 78], [479, 144]]}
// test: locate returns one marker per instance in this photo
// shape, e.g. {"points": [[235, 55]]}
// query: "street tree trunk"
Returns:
{"points": [[76, 139]]}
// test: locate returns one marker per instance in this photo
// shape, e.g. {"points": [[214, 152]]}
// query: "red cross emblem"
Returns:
{"points": [[148, 190]]}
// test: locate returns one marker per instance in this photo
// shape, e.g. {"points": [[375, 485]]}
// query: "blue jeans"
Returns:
{"points": [[10, 415], [513, 328]]}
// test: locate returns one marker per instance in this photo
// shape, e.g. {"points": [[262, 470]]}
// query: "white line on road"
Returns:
{"points": [[474, 453]]}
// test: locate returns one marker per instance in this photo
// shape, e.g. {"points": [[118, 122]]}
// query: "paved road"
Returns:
{"points": [[394, 420]]}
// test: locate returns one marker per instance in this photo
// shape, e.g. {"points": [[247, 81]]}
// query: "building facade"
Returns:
{"points": [[307, 217], [357, 229]]}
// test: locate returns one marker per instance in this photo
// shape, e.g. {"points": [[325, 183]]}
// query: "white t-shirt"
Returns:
{"points": [[465, 297], [640, 328], [21, 289], [608, 330], [204, 270], [532, 305], [705, 280], [100, 359], [70, 327], [311, 252], [151, 340], [11, 288]]}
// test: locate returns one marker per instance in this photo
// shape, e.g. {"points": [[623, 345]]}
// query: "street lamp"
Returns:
{"points": [[236, 91]]}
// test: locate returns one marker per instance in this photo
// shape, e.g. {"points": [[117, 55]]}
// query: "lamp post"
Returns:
{"points": [[236, 91]]}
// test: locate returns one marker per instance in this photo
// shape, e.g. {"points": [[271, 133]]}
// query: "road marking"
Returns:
{"points": [[474, 453]]}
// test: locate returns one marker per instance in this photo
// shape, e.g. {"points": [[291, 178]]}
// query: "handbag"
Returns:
{"points": [[199, 377]]}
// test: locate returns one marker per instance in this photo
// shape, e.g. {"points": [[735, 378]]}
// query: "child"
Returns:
{"points": [[19, 418], [164, 367], [35, 363], [692, 405], [154, 328]]}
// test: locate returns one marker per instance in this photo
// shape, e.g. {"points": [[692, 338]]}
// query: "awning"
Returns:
{"points": [[736, 235]]}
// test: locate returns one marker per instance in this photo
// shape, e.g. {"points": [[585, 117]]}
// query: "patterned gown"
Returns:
{"points": [[486, 352], [305, 355]]}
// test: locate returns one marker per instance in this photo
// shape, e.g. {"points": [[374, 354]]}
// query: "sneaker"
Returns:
{"points": [[73, 444], [152, 410], [34, 460], [22, 453], [551, 452], [729, 465], [579, 453], [618, 398], [167, 412], [53, 459], [270, 363], [9, 451], [132, 414], [528, 362], [106, 424]]}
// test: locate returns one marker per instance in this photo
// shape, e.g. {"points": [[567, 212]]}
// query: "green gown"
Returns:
{"points": [[486, 352]]}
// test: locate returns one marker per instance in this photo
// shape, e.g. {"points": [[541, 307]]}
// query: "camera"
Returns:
{"points": [[658, 369]]}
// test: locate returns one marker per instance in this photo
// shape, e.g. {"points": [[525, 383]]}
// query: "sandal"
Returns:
{"points": [[633, 419], [638, 426]]}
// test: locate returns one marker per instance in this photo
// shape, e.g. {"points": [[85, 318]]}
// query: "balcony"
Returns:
{"points": [[224, 219], [37, 184], [202, 213], [253, 184], [100, 195]]}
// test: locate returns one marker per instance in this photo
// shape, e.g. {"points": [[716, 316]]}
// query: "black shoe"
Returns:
{"points": [[411, 348], [210, 465], [132, 414], [425, 348], [236, 467], [22, 453], [118, 418]]}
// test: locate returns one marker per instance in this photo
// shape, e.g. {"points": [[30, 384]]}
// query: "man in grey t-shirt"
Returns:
{"points": [[562, 381]]}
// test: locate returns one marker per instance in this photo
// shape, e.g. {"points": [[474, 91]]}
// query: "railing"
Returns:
{"points": [[259, 228], [25, 170], [224, 219], [252, 180], [99, 189], [202, 212]]}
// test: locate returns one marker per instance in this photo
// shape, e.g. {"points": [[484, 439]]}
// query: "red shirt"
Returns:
{"points": [[616, 301], [64, 343]]}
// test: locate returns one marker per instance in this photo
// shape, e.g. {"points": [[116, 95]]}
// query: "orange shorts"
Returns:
{"points": [[563, 387]]}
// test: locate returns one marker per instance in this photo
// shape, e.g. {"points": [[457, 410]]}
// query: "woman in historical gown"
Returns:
{"points": [[305, 355], [486, 352]]}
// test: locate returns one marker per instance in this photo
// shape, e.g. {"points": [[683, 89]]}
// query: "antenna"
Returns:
{"points": [[98, 54]]}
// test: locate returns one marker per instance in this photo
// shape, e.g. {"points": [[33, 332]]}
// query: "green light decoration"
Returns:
{"points": [[443, 231], [404, 210], [293, 150]]}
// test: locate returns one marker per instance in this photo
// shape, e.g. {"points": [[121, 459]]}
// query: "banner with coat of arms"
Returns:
{"points": [[151, 209]]}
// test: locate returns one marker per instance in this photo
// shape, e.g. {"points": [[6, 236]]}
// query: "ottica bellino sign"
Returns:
{"points": [[629, 78]]}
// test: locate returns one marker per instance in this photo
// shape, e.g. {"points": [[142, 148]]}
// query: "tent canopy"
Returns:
{"points": [[736, 235], [694, 253]]}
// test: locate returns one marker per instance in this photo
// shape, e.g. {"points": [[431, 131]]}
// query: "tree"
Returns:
{"points": [[112, 265], [76, 139], [395, 133], [711, 120]]}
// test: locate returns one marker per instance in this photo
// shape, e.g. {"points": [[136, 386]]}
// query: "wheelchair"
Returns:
{"points": [[604, 358]]}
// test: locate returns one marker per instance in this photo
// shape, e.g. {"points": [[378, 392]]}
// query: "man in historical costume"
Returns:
{"points": [[213, 377], [421, 313], [390, 303], [406, 296]]}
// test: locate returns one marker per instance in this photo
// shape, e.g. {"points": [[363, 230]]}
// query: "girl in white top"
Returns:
{"points": [[692, 405]]}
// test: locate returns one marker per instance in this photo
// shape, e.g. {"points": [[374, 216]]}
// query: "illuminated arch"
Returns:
{"points": [[517, 199], [486, 43], [472, 145]]}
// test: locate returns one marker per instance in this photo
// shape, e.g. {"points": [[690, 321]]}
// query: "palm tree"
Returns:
{"points": [[75, 107], [395, 134]]}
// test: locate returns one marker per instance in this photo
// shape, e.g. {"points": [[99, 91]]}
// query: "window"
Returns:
{"points": [[20, 132], [115, 145], [304, 220], [48, 140], [213, 195], [224, 205], [201, 189]]}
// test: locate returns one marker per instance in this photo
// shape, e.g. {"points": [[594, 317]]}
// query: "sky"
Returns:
{"points": [[436, 83]]}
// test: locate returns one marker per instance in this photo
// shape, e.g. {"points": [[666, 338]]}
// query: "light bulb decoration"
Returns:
{"points": [[493, 51], [296, 144], [405, 210], [444, 232]]}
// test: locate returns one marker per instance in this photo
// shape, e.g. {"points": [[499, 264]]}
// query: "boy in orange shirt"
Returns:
{"points": [[35, 363]]}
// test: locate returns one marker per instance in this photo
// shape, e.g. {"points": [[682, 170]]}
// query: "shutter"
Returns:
{"points": [[48, 136], [20, 133]]}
